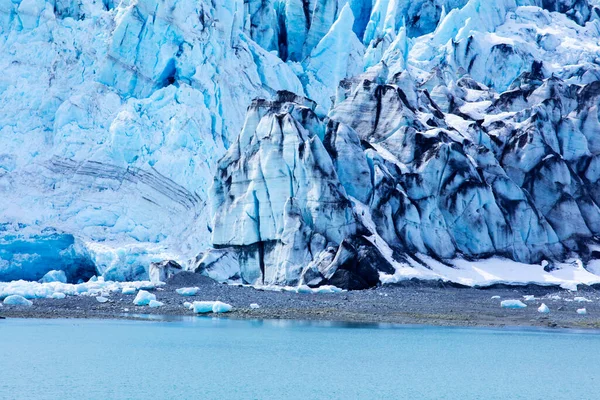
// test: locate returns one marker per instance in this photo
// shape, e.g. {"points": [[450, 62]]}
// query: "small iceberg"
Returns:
{"points": [[582, 300], [101, 299], [495, 297], [529, 297], [582, 311], [219, 307], [16, 300], [58, 295], [155, 304], [188, 305], [203, 307], [187, 291], [513, 304], [143, 298], [254, 306], [543, 309], [128, 290]]}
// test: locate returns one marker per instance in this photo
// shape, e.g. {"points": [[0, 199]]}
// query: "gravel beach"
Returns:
{"points": [[413, 302]]}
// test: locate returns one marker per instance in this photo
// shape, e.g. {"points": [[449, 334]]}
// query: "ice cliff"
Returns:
{"points": [[296, 141]]}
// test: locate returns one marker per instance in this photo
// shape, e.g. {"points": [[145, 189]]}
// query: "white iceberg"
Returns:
{"points": [[188, 305], [512, 304], [581, 311], [58, 295], [543, 309], [254, 306], [101, 299], [529, 297], [128, 290], [187, 291], [219, 307], [495, 297], [155, 304], [202, 307], [16, 300], [582, 300], [143, 298]]}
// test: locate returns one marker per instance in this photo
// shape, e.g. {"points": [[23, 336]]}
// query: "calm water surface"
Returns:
{"points": [[203, 358]]}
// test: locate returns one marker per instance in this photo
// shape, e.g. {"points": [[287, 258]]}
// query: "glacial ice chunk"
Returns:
{"points": [[16, 300], [58, 295], [512, 304], [143, 298], [581, 311], [155, 304], [495, 297], [188, 305], [202, 307], [54, 276], [543, 309], [254, 306], [529, 297], [101, 299], [187, 291], [220, 307], [128, 290]]}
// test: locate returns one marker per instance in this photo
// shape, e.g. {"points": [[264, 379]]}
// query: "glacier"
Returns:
{"points": [[301, 142]]}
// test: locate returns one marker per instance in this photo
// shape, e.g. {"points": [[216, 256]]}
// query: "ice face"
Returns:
{"points": [[456, 127]]}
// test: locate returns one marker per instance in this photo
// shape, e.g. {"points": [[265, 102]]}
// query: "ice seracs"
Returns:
{"points": [[437, 133]]}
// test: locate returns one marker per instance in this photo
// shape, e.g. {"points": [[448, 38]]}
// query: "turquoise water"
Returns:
{"points": [[203, 358]]}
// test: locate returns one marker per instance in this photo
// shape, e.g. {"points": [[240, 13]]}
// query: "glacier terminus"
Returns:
{"points": [[303, 143]]}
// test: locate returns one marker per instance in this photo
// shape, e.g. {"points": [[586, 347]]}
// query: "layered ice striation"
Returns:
{"points": [[436, 130]]}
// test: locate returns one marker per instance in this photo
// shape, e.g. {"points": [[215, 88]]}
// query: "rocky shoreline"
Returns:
{"points": [[411, 303]]}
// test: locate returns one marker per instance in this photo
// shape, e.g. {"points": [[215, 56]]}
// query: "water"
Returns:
{"points": [[220, 359]]}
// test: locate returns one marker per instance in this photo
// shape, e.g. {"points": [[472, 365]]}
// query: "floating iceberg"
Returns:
{"points": [[101, 299], [58, 295], [254, 306], [581, 311]]}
